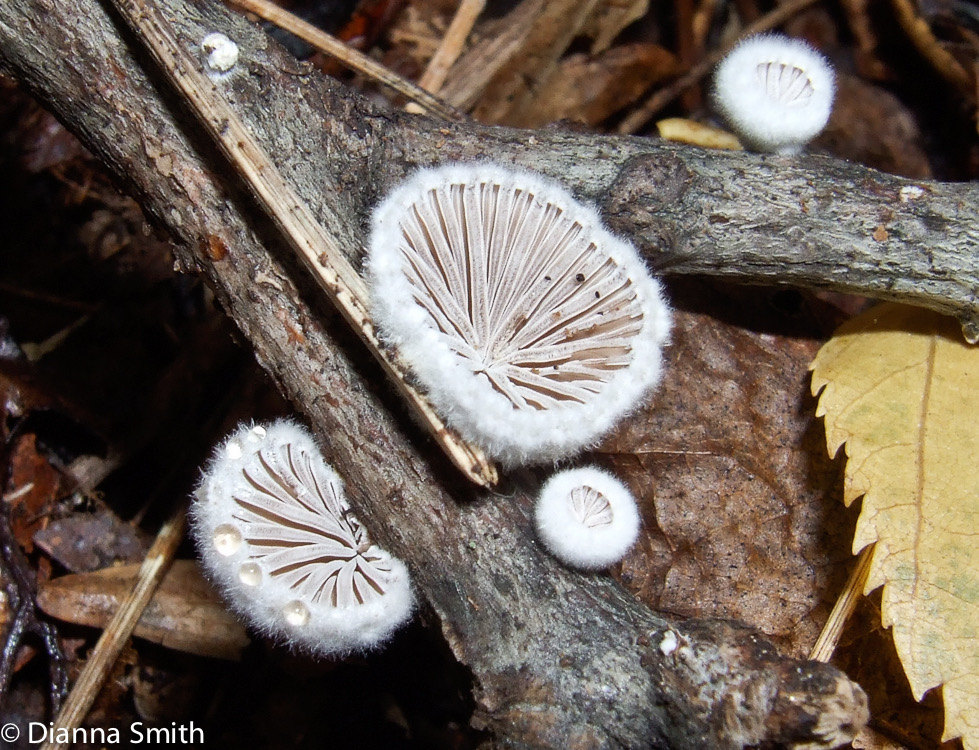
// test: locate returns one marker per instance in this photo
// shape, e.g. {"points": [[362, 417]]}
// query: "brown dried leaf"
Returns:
{"points": [[42, 141], [591, 89], [509, 96], [185, 614], [739, 504], [18, 394], [611, 17], [871, 126], [415, 36], [84, 542], [32, 489]]}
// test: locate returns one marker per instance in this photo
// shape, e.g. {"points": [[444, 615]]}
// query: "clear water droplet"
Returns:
{"points": [[227, 539], [233, 449], [250, 574], [296, 613]]}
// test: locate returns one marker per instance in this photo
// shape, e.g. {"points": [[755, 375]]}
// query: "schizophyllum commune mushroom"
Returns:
{"points": [[220, 54], [275, 532], [533, 328], [587, 518], [775, 92]]}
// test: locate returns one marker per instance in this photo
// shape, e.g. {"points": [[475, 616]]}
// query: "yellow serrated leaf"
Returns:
{"points": [[900, 389]]}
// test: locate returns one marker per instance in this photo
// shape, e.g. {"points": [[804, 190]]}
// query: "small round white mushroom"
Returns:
{"points": [[587, 518], [533, 329], [220, 53], [775, 92], [276, 533]]}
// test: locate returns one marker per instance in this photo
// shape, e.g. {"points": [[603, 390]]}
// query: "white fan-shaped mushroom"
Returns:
{"points": [[531, 326], [587, 518], [275, 531], [775, 92]]}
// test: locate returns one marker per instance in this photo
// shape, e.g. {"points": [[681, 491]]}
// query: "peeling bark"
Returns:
{"points": [[558, 658]]}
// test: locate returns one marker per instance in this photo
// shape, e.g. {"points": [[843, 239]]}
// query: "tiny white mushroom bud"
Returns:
{"points": [[775, 92], [532, 328], [220, 53], [587, 518], [276, 533]]}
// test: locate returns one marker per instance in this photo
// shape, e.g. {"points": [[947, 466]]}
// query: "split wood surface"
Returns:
{"points": [[558, 659]]}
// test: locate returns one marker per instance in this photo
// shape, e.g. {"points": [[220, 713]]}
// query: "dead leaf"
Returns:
{"points": [[185, 614], [84, 542], [508, 97], [681, 130], [870, 125], [591, 89], [32, 489], [900, 389], [515, 58], [737, 500], [866, 653], [610, 18]]}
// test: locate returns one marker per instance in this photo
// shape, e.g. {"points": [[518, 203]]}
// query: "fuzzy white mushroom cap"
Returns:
{"points": [[775, 92], [276, 533], [220, 53], [587, 518], [532, 327]]}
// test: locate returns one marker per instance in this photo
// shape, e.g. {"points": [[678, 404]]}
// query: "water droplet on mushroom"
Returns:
{"points": [[227, 539], [296, 613], [250, 574], [282, 539]]}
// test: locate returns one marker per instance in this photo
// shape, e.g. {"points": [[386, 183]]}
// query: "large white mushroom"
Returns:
{"points": [[532, 327], [276, 533]]}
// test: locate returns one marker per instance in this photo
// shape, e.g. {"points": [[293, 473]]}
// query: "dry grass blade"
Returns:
{"points": [[473, 73], [450, 48], [315, 247], [356, 61], [121, 626], [825, 645]]}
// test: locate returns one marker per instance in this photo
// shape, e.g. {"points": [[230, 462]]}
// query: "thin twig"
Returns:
{"points": [[22, 601], [858, 21], [353, 59], [638, 119], [295, 220], [451, 46], [826, 643], [930, 48], [21, 589], [475, 71], [120, 628]]}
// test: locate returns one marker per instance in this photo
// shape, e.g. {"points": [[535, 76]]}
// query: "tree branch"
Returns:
{"points": [[558, 658]]}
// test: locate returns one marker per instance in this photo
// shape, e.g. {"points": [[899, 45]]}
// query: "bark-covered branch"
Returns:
{"points": [[558, 658]]}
